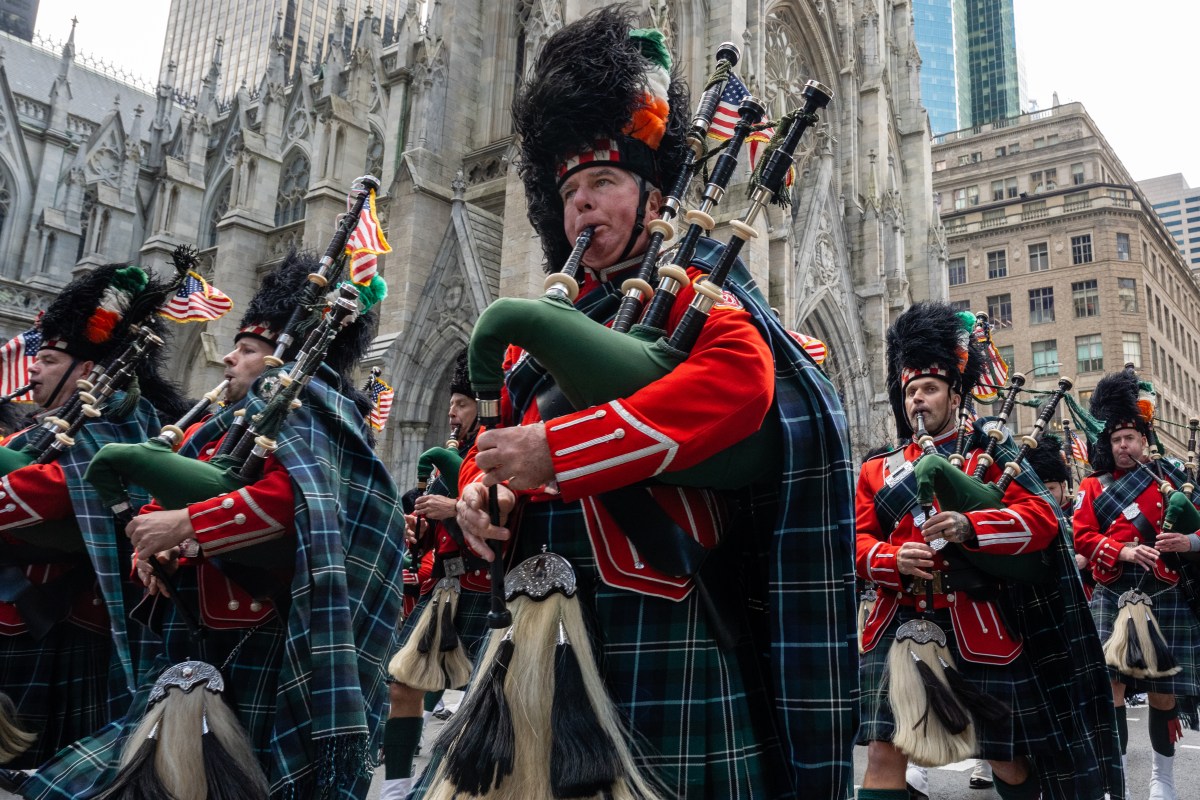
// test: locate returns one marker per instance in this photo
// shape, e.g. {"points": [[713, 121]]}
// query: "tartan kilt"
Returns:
{"points": [[1179, 627], [684, 700], [470, 620], [1029, 729], [59, 685]]}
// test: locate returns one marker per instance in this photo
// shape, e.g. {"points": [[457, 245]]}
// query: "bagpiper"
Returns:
{"points": [[294, 579], [602, 122], [959, 662], [1140, 601]]}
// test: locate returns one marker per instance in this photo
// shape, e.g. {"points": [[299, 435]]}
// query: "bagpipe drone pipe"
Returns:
{"points": [[177, 481], [955, 490]]}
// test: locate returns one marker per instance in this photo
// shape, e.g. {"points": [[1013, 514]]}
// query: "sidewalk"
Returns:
{"points": [[451, 699]]}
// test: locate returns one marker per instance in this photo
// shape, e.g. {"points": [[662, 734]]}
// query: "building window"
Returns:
{"points": [[1122, 247], [1039, 257], [1043, 180], [1045, 358], [1088, 353], [999, 309], [1041, 305], [997, 190], [957, 268], [997, 261], [1085, 296], [293, 185], [1077, 174], [1127, 294], [1081, 249], [1131, 349], [960, 305]]}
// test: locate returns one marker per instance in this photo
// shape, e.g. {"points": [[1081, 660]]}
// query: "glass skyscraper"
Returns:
{"points": [[933, 24], [985, 50]]}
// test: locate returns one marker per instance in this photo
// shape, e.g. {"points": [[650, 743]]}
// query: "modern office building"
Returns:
{"points": [[248, 31], [17, 18], [933, 27], [1047, 232], [1178, 205], [985, 55]]}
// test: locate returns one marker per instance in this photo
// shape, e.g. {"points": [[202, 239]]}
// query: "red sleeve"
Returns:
{"points": [[715, 398], [1089, 541], [33, 494], [1026, 524], [875, 556], [259, 512]]}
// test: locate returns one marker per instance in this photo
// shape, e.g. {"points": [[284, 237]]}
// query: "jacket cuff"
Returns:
{"points": [[603, 447], [1108, 553], [232, 521], [881, 566]]}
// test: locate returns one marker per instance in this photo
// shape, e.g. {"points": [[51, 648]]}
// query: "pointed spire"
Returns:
{"points": [[68, 50], [210, 83], [135, 133]]}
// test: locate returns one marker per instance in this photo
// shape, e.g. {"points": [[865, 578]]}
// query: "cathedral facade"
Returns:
{"points": [[244, 180]]}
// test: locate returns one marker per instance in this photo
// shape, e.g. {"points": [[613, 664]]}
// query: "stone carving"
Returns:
{"points": [[297, 126]]}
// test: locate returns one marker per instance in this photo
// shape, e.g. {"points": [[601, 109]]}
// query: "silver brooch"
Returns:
{"points": [[540, 575], [922, 631], [1135, 597], [186, 675]]}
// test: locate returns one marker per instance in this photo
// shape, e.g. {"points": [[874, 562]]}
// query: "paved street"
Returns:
{"points": [[950, 782]]}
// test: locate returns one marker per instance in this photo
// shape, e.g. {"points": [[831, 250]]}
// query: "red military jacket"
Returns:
{"points": [[33, 494], [257, 513], [1102, 548], [1026, 525], [718, 396]]}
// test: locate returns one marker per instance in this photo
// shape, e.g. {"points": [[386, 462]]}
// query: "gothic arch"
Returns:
{"points": [[216, 204], [825, 316], [13, 202], [294, 178]]}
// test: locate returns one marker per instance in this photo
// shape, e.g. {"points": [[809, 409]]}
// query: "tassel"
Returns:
{"points": [[583, 759], [1165, 664], [234, 783], [430, 631], [137, 778], [940, 700], [932, 728], [448, 635], [1134, 656], [979, 704], [456, 666], [14, 739], [484, 750]]}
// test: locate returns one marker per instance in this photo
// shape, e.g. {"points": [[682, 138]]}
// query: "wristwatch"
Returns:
{"points": [[189, 548]]}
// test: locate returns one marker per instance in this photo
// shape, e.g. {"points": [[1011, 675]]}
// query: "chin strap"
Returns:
{"points": [[639, 222], [62, 381]]}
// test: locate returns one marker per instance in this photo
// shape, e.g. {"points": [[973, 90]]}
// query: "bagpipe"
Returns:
{"points": [[176, 481], [92, 398], [957, 491], [577, 735]]}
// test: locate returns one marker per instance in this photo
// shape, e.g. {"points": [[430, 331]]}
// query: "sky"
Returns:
{"points": [[1133, 65]]}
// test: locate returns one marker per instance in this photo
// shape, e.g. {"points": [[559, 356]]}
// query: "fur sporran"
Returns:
{"points": [[1137, 646], [189, 745], [433, 658], [932, 726], [537, 720]]}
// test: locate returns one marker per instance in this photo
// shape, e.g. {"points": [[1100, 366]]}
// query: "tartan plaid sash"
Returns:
{"points": [[1118, 495], [345, 594]]}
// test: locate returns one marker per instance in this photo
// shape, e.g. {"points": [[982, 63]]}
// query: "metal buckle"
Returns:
{"points": [[454, 567], [920, 585]]}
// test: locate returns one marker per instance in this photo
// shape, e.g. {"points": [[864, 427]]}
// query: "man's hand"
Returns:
{"points": [[949, 525], [414, 529], [475, 522], [1142, 554], [914, 558], [520, 456], [158, 531], [169, 560], [434, 506], [1172, 543]]}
